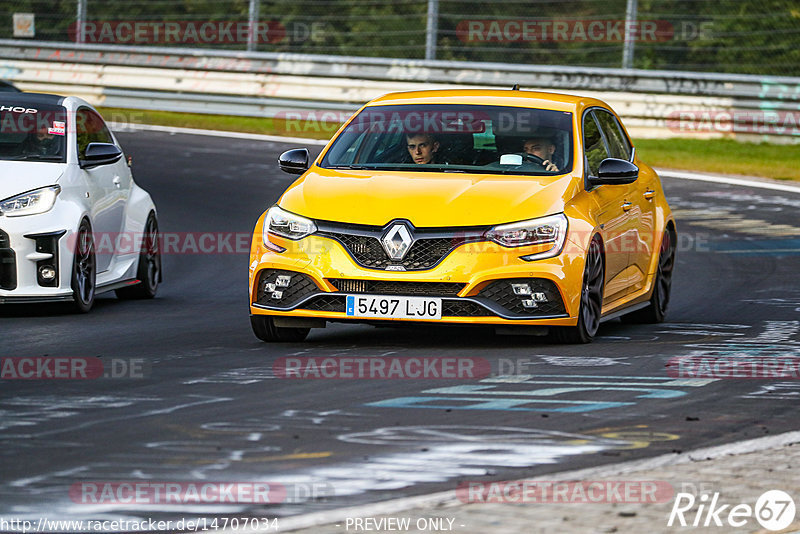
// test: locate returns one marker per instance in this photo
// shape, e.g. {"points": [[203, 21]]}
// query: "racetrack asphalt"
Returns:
{"points": [[211, 407]]}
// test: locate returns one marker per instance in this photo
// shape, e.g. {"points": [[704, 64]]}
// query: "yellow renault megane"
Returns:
{"points": [[516, 209]]}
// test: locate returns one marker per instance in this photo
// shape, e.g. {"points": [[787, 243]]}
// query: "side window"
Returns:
{"points": [[90, 128], [617, 141], [593, 146]]}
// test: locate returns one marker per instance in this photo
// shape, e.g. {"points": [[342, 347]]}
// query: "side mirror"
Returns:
{"points": [[294, 161], [615, 171], [100, 154]]}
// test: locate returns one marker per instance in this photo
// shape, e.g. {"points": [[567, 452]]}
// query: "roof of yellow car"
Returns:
{"points": [[487, 97]]}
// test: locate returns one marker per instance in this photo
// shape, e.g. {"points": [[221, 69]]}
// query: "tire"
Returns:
{"points": [[149, 268], [84, 270], [264, 328], [591, 299], [656, 311]]}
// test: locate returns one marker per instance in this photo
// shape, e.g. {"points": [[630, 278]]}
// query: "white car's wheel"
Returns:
{"points": [[149, 270], [84, 269]]}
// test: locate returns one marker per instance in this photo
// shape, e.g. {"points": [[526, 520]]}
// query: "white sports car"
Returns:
{"points": [[73, 223]]}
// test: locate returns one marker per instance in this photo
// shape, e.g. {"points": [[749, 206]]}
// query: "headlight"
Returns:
{"points": [[30, 203], [550, 229], [288, 225]]}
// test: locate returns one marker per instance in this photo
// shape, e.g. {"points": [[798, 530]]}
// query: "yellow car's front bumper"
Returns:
{"points": [[473, 280]]}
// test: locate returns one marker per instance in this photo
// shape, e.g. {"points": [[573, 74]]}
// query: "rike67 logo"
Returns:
{"points": [[774, 510]]}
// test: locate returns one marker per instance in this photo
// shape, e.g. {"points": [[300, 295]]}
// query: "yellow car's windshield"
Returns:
{"points": [[456, 138]]}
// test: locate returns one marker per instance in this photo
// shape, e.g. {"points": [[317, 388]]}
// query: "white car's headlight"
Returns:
{"points": [[288, 225], [550, 229], [30, 203]]}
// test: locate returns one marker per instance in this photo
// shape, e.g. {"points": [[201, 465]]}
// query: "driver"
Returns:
{"points": [[422, 147], [543, 148], [42, 143]]}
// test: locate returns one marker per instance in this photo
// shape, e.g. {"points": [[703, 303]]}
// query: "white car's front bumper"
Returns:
{"points": [[29, 243]]}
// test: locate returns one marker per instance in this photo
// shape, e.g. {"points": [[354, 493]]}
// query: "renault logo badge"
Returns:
{"points": [[397, 241]]}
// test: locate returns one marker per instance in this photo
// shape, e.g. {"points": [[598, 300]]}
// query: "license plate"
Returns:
{"points": [[394, 307]]}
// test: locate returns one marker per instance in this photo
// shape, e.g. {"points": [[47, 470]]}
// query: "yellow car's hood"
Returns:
{"points": [[426, 199]]}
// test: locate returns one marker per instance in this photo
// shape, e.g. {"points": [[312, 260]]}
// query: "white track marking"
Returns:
{"points": [[717, 179]]}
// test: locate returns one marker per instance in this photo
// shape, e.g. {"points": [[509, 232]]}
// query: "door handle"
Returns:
{"points": [[116, 181], [626, 206], [649, 194]]}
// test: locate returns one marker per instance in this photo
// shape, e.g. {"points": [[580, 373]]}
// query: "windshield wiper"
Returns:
{"points": [[356, 167], [34, 157]]}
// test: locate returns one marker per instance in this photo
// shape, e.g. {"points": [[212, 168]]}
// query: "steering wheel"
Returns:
{"points": [[533, 158]]}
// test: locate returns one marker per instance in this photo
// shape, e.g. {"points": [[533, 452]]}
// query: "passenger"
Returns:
{"points": [[422, 147], [543, 148]]}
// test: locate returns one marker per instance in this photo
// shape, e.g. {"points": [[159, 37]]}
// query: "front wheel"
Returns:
{"points": [[662, 285], [84, 269], [591, 299], [264, 328]]}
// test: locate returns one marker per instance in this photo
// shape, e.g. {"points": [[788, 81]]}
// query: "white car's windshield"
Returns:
{"points": [[32, 132], [456, 138]]}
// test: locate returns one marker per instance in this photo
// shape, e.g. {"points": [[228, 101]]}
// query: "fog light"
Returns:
{"points": [[283, 281], [47, 272], [521, 289], [539, 297], [528, 303], [269, 288], [277, 295]]}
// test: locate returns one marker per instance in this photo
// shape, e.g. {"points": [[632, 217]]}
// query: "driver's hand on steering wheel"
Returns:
{"points": [[549, 166]]}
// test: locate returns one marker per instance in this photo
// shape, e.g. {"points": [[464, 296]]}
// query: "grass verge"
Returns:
{"points": [[781, 162], [257, 125]]}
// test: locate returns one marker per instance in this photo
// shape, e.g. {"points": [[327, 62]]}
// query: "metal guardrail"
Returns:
{"points": [[770, 88], [270, 85]]}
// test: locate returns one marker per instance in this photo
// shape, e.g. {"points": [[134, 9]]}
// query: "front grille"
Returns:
{"points": [[8, 263], [430, 246], [464, 308], [300, 287], [329, 303], [500, 293], [383, 287], [425, 253], [368, 251]]}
